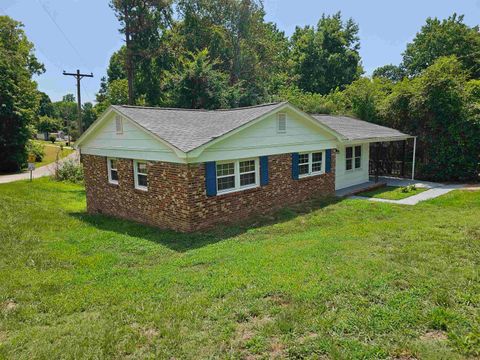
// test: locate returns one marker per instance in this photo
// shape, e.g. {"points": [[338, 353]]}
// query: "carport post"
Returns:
{"points": [[414, 151]]}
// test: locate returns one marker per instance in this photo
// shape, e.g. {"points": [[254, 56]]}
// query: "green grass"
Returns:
{"points": [[392, 193], [348, 279], [51, 151]]}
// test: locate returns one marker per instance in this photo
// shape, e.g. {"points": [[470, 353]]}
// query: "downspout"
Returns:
{"points": [[414, 151]]}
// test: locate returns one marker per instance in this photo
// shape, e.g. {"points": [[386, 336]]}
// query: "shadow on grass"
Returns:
{"points": [[182, 242]]}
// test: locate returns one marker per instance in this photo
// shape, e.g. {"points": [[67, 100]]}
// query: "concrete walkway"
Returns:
{"points": [[46, 170], [434, 190]]}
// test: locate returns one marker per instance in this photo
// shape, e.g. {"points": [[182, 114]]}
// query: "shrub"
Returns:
{"points": [[52, 139], [408, 188], [69, 170], [35, 149]]}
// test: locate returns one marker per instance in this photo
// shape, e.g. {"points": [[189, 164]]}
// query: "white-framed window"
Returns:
{"points": [[281, 123], [310, 164], [112, 171], [237, 175], [118, 124], [353, 157], [140, 175]]}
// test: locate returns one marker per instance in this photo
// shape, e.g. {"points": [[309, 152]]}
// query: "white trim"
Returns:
{"points": [[353, 158], [109, 171], [236, 175], [136, 173], [310, 164]]}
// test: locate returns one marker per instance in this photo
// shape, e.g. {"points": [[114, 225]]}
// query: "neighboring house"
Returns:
{"points": [[191, 169]]}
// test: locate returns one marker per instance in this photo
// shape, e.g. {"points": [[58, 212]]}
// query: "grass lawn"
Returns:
{"points": [[332, 279], [51, 151], [392, 193]]}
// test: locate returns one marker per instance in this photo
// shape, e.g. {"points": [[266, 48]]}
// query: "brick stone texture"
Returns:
{"points": [[176, 197]]}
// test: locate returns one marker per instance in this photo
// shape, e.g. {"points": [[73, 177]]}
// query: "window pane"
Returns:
{"points": [[303, 169], [142, 168], [246, 166], [316, 167], [348, 164], [114, 175], [247, 179], [225, 169], [317, 157], [142, 180], [226, 183], [358, 151], [303, 159], [349, 151], [113, 164], [358, 163]]}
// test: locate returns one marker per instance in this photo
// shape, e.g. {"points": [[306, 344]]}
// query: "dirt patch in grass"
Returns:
{"points": [[434, 335], [9, 306]]}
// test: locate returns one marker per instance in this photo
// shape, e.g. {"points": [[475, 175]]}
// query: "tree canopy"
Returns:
{"points": [[19, 98]]}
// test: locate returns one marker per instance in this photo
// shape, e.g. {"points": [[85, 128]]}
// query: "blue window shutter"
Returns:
{"points": [[328, 161], [295, 166], [211, 178], [263, 170]]}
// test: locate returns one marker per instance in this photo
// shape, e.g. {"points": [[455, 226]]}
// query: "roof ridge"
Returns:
{"points": [[199, 110]]}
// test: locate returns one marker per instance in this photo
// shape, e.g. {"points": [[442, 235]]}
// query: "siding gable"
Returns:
{"points": [[132, 143], [263, 138]]}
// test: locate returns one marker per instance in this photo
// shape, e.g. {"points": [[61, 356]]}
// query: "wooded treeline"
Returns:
{"points": [[222, 54]]}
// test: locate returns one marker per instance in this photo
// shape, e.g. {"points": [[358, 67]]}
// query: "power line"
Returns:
{"points": [[62, 32]]}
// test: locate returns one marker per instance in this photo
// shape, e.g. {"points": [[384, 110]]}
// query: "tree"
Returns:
{"points": [[391, 72], [88, 115], [66, 111], [327, 57], [438, 107], [19, 98], [141, 21], [47, 124], [45, 107], [199, 86], [116, 94], [444, 38]]}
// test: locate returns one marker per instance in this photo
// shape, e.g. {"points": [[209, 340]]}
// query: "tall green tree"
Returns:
{"points": [[446, 37], [326, 57], [199, 86], [250, 50], [19, 98], [141, 24]]}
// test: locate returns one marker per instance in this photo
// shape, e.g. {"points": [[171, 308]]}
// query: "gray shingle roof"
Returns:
{"points": [[188, 129], [354, 129]]}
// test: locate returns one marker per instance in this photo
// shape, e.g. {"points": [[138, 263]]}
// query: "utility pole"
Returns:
{"points": [[79, 77]]}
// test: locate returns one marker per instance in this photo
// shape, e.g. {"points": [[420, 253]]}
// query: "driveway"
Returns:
{"points": [[46, 170]]}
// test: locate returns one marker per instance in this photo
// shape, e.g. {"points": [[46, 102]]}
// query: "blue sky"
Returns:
{"points": [[83, 33]]}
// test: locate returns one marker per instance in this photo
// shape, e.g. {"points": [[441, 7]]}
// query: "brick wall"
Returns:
{"points": [[177, 199], [281, 190], [165, 204]]}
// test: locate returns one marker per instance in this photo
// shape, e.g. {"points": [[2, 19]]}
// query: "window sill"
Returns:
{"points": [[310, 175], [142, 189], [113, 184], [233, 191]]}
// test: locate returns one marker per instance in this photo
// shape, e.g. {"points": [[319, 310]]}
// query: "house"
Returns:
{"points": [[191, 169]]}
